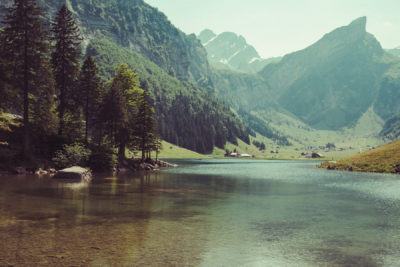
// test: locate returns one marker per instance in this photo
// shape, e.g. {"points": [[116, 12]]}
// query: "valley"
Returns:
{"points": [[341, 89], [127, 141]]}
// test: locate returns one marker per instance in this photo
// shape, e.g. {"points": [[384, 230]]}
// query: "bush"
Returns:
{"points": [[72, 155], [103, 158]]}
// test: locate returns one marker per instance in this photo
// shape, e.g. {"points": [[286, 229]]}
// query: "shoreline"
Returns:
{"points": [[363, 168]]}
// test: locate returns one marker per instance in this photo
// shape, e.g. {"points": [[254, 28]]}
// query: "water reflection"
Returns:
{"points": [[122, 221], [256, 213]]}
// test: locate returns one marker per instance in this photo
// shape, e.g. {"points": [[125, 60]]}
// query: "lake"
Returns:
{"points": [[204, 213]]}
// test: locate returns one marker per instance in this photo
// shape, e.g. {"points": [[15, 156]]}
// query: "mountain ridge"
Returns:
{"points": [[232, 51], [142, 28], [331, 83]]}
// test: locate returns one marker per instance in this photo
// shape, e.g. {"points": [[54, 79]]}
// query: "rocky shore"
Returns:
{"points": [[138, 165], [127, 165]]}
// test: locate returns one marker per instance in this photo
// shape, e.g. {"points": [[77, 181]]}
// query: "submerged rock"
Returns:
{"points": [[75, 172]]}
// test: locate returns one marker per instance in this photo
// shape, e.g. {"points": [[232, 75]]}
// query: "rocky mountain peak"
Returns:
{"points": [[350, 33], [230, 50], [331, 83], [206, 35], [359, 24]]}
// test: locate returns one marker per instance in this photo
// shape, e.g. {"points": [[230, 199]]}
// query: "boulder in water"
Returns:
{"points": [[75, 172]]}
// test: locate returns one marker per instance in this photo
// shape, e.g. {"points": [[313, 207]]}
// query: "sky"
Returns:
{"points": [[278, 27]]}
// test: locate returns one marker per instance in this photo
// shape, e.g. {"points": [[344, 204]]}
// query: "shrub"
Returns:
{"points": [[72, 155], [102, 158]]}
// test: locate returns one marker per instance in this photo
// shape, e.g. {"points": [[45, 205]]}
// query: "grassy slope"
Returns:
{"points": [[170, 151], [385, 159]]}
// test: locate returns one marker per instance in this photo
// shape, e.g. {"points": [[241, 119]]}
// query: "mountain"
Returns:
{"points": [[172, 67], [240, 90], [336, 84], [394, 51], [330, 84], [384, 159], [142, 28], [229, 50], [391, 128]]}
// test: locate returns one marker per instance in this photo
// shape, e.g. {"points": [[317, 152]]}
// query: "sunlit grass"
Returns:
{"points": [[170, 151], [385, 159]]}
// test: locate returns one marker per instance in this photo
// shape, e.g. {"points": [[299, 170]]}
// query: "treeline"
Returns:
{"points": [[259, 145], [255, 124], [63, 102], [187, 114]]}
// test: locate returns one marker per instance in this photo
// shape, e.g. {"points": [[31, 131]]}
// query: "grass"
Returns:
{"points": [[170, 151], [385, 159], [349, 141]]}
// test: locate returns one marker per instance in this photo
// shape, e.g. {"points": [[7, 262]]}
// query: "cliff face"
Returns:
{"points": [[142, 28]]}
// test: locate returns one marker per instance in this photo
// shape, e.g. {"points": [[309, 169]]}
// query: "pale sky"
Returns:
{"points": [[278, 27]]}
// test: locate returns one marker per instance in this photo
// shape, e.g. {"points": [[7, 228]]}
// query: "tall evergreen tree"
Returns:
{"points": [[90, 87], [8, 95], [145, 125], [65, 59], [43, 108], [26, 41], [120, 108]]}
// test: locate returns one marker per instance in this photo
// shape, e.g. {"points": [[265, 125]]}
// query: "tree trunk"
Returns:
{"points": [[121, 152], [61, 112], [25, 148], [87, 119], [143, 155], [62, 102]]}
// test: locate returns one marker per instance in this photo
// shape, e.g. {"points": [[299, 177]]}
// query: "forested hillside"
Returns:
{"points": [[172, 67], [187, 114], [142, 28]]}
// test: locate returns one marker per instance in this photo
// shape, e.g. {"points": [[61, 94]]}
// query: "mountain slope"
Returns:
{"points": [[330, 84], [142, 28], [391, 128], [231, 50], [187, 114], [240, 90], [172, 67], [394, 51]]}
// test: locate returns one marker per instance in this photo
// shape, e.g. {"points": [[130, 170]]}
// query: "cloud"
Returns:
{"points": [[388, 24]]}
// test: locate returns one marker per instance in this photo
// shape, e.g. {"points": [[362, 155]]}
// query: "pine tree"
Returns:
{"points": [[90, 87], [43, 108], [27, 42], [145, 126], [120, 109], [8, 97], [65, 59], [157, 145]]}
